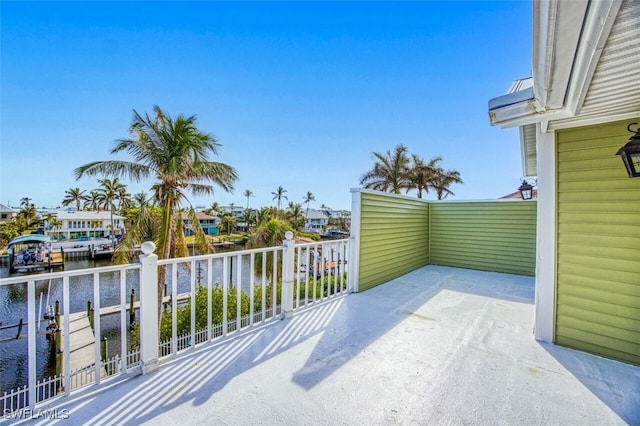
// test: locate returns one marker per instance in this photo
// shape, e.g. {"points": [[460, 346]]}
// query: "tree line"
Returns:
{"points": [[396, 171]]}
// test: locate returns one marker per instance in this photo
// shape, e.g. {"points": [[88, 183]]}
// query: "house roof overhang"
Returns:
{"points": [[568, 40], [585, 71]]}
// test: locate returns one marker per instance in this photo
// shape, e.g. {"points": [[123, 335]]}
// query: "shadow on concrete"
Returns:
{"points": [[616, 384]]}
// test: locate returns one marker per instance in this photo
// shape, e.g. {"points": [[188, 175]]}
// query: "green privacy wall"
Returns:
{"points": [[498, 236], [394, 237], [400, 234], [598, 244]]}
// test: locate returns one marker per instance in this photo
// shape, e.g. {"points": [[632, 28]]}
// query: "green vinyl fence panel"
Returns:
{"points": [[598, 244], [394, 237], [498, 236], [399, 234]]}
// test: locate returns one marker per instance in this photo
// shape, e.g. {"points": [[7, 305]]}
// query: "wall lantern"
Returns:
{"points": [[630, 153], [526, 190]]}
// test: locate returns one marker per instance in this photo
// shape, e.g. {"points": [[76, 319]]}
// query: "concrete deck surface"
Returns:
{"points": [[439, 346]]}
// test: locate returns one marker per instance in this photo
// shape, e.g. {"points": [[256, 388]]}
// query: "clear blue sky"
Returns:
{"points": [[298, 94]]}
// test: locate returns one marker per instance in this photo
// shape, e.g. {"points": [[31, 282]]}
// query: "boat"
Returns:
{"points": [[33, 252]]}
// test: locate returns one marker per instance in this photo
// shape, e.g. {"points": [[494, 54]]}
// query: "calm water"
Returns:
{"points": [[13, 307]]}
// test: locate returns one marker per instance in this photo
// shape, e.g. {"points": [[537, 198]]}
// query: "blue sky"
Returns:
{"points": [[298, 94]]}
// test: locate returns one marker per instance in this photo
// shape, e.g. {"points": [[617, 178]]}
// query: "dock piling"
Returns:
{"points": [[132, 311]]}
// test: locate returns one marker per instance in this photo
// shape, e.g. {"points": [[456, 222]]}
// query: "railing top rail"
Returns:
{"points": [[217, 255], [318, 243], [61, 274]]}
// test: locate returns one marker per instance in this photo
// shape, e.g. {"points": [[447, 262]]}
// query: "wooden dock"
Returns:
{"points": [[56, 259], [82, 338], [81, 341]]}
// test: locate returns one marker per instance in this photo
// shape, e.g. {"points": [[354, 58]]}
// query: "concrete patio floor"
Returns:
{"points": [[436, 346]]}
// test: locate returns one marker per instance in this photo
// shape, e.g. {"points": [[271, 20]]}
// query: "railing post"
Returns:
{"points": [[288, 261], [149, 333], [353, 268]]}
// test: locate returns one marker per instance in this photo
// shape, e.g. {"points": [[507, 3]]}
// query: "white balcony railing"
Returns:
{"points": [[207, 298]]}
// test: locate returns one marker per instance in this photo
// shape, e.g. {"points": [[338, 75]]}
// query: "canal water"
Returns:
{"points": [[13, 308]]}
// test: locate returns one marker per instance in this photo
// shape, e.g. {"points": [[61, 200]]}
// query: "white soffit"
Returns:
{"points": [[614, 89]]}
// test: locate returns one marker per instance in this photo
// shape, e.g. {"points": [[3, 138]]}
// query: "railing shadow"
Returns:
{"points": [[344, 326]]}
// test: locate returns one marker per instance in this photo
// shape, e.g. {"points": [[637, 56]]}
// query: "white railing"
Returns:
{"points": [[208, 297]]}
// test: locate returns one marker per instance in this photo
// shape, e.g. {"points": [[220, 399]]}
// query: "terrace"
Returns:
{"points": [[443, 333]]}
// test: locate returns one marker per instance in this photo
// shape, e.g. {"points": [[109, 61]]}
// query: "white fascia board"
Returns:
{"points": [[596, 29], [528, 112]]}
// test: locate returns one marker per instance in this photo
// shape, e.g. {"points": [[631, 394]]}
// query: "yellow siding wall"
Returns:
{"points": [[394, 237], [598, 244], [497, 236]]}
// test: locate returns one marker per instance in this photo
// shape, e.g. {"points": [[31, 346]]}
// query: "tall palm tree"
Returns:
{"points": [[74, 195], [110, 192], [177, 155], [309, 197], [421, 175], [389, 172], [443, 180], [248, 193], [279, 195]]}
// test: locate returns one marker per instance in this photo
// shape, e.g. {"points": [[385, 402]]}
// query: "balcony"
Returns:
{"points": [[443, 333]]}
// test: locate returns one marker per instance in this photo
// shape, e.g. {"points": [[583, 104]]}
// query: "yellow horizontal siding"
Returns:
{"points": [[598, 244], [394, 237], [491, 236]]}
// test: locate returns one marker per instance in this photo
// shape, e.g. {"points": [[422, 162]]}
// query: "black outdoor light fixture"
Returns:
{"points": [[526, 190], [630, 153]]}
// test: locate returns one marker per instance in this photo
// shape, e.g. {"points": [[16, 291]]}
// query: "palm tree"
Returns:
{"points": [[28, 213], [140, 199], [268, 234], [264, 215], [295, 216], [248, 193], [74, 195], [92, 201], [176, 153], [279, 195], [228, 221], [307, 199], [110, 191], [421, 175], [25, 202], [249, 217], [443, 180], [389, 172]]}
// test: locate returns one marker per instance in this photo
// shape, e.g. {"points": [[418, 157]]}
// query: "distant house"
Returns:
{"points": [[76, 224], [316, 221], [7, 213], [208, 223], [581, 105], [516, 195]]}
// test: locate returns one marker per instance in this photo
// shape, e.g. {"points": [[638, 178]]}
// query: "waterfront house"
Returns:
{"points": [[7, 213], [79, 224], [208, 223], [581, 105]]}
